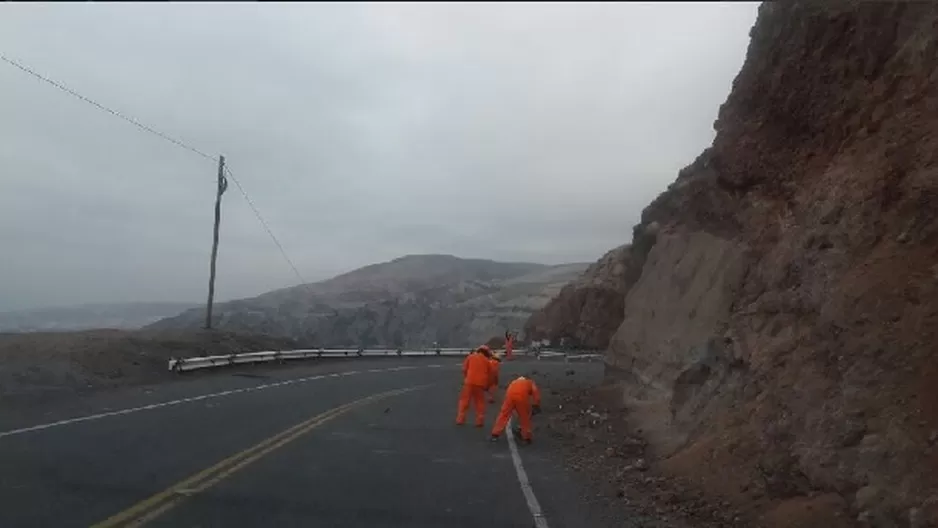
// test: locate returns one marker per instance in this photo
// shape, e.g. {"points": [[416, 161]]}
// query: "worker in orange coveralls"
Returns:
{"points": [[495, 362], [477, 374], [519, 397], [509, 344]]}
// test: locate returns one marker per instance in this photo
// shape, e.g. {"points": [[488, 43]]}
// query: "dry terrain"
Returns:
{"points": [[38, 364]]}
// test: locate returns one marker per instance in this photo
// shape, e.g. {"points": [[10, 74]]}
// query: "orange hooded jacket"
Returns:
{"points": [[522, 388], [476, 370]]}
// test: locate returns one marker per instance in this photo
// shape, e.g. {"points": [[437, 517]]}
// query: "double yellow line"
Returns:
{"points": [[152, 507]]}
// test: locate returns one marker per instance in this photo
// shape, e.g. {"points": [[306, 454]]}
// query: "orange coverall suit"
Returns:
{"points": [[493, 384], [517, 399], [476, 378]]}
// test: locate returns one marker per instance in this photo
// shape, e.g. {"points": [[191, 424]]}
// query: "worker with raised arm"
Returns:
{"points": [[477, 375], [524, 398], [495, 362], [509, 344]]}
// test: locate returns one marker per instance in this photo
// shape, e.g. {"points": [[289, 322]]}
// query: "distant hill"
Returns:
{"points": [[121, 316], [416, 300]]}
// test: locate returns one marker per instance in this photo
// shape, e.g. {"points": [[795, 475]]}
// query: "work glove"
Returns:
{"points": [[535, 410]]}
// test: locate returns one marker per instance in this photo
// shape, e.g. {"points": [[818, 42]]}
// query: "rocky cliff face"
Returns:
{"points": [[783, 322], [416, 300], [587, 311]]}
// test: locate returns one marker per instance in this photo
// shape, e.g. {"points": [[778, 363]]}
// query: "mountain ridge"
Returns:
{"points": [[413, 300]]}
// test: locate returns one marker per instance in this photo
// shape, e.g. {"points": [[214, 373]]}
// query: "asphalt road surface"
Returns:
{"points": [[351, 443]]}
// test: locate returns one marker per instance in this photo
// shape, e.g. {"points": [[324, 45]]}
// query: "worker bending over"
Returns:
{"points": [[494, 362], [523, 397], [477, 375]]}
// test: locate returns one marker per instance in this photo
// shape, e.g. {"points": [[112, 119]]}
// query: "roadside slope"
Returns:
{"points": [[32, 364]]}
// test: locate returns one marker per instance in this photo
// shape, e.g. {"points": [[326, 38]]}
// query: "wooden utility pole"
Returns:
{"points": [[222, 185]]}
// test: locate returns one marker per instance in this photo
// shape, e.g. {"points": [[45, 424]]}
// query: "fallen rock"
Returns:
{"points": [[867, 497], [640, 465]]}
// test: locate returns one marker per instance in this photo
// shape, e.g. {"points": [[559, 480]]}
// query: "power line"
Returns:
{"points": [[264, 223], [100, 106], [165, 137]]}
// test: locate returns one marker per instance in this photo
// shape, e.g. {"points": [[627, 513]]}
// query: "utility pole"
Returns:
{"points": [[222, 185]]}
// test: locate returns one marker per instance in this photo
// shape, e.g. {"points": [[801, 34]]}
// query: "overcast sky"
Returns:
{"points": [[362, 132]]}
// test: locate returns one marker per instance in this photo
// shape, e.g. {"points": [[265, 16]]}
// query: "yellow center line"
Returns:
{"points": [[154, 506]]}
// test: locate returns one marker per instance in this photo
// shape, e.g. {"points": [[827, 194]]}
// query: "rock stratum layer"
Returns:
{"points": [[774, 319]]}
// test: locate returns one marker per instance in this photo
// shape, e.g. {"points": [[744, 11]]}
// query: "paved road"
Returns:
{"points": [[356, 443]]}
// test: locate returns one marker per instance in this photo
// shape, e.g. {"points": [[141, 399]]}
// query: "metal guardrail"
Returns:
{"points": [[195, 363], [279, 356], [567, 357], [582, 357]]}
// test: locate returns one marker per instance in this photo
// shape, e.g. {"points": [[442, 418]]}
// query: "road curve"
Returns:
{"points": [[351, 443]]}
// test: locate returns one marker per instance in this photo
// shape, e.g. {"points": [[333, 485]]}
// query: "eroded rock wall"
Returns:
{"points": [[779, 342]]}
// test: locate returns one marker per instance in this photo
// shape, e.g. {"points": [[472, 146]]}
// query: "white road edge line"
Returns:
{"points": [[152, 406], [535, 507]]}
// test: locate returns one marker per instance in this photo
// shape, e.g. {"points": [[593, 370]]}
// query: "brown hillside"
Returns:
{"points": [[779, 342]]}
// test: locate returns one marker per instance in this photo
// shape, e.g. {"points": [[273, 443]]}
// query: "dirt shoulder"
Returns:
{"points": [[588, 431], [595, 439]]}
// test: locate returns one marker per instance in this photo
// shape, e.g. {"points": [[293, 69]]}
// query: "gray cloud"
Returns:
{"points": [[363, 132]]}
